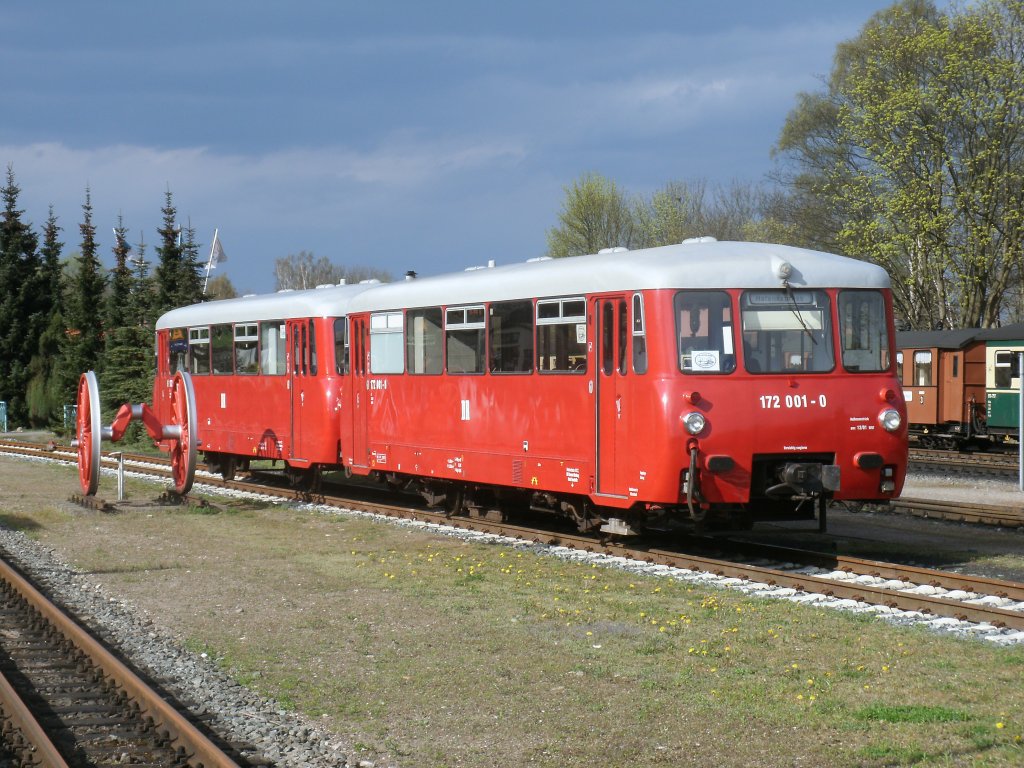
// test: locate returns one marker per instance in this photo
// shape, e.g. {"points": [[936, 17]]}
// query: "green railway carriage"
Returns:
{"points": [[1003, 347]]}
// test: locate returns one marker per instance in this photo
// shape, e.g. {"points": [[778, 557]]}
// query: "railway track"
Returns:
{"points": [[68, 701], [974, 464], [933, 593]]}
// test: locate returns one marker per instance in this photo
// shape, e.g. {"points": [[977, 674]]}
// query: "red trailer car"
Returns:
{"points": [[706, 380]]}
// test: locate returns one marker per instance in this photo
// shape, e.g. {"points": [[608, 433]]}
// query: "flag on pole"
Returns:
{"points": [[217, 254]]}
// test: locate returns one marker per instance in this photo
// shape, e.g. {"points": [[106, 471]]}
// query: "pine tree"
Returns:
{"points": [[177, 274], [44, 395], [120, 279], [191, 281], [22, 302], [83, 341]]}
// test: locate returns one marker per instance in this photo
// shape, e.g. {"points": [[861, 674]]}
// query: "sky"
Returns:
{"points": [[425, 136]]}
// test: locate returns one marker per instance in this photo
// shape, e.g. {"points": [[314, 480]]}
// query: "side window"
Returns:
{"points": [[899, 367], [562, 335], [511, 337], [464, 339], [311, 351], [222, 348], [341, 347], [1007, 364], [423, 341], [177, 349], [247, 348], [639, 335], [704, 330], [386, 342], [923, 368], [273, 348], [863, 331], [199, 351]]}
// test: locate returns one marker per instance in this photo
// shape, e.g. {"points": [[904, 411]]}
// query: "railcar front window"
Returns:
{"points": [[863, 331], [787, 330], [704, 332]]}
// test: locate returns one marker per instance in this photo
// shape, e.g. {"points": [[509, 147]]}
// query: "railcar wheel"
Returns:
{"points": [[184, 448], [89, 432]]}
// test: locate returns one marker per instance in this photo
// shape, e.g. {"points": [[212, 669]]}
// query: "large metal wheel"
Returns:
{"points": [[89, 433], [185, 447]]}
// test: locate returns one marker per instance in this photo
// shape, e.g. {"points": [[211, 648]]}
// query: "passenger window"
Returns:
{"points": [[787, 330], [247, 349], [312, 349], [562, 335], [273, 348], [1007, 364], [341, 352], [511, 337], [607, 337], [177, 349], [386, 354], [222, 349], [199, 351], [899, 367], [465, 339], [923, 368], [704, 329], [423, 341], [639, 336]]}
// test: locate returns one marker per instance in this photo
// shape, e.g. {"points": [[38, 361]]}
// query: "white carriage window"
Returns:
{"points": [[199, 351], [1007, 364], [923, 368], [704, 332], [511, 337], [247, 348], [562, 335], [863, 331], [423, 340], [465, 339], [899, 367], [341, 346], [386, 354], [787, 330], [639, 335], [177, 349], [273, 348], [221, 348]]}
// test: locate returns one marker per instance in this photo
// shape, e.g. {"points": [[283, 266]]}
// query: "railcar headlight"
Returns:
{"points": [[694, 422], [890, 419]]}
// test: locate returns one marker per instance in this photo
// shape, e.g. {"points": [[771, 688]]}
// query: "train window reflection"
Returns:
{"points": [[273, 350], [704, 330], [246, 348], [341, 352], [177, 349], [562, 335], [222, 349], [423, 341], [386, 342], [863, 331], [511, 337], [199, 351], [465, 339], [639, 336], [787, 330]]}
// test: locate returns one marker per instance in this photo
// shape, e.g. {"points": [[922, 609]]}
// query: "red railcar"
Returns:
{"points": [[733, 380]]}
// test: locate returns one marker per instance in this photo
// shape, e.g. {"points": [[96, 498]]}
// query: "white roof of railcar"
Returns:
{"points": [[330, 301], [702, 264]]}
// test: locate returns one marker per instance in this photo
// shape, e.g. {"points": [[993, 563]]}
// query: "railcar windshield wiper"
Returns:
{"points": [[795, 309]]}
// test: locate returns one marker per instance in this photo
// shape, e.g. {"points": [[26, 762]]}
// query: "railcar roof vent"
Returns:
{"points": [[343, 281], [371, 281], [616, 249], [702, 239], [410, 275]]}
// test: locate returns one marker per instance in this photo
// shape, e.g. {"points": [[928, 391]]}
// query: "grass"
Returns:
{"points": [[447, 653]]}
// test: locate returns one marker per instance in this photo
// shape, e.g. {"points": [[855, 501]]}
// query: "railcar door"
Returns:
{"points": [[609, 388], [360, 364], [301, 361]]}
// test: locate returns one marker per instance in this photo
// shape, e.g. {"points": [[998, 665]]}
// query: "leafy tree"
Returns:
{"points": [[45, 395], [594, 215], [303, 270], [913, 156], [82, 345], [220, 287], [23, 302]]}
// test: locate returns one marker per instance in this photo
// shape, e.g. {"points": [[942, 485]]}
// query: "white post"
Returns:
{"points": [[120, 476]]}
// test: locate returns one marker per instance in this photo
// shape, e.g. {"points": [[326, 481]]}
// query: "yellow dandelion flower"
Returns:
{"points": [[1000, 726]]}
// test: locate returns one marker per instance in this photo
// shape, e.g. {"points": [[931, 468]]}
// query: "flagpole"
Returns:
{"points": [[209, 261]]}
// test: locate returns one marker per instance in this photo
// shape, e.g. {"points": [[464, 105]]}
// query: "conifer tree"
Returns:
{"points": [[44, 394], [177, 276], [22, 302], [83, 342]]}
